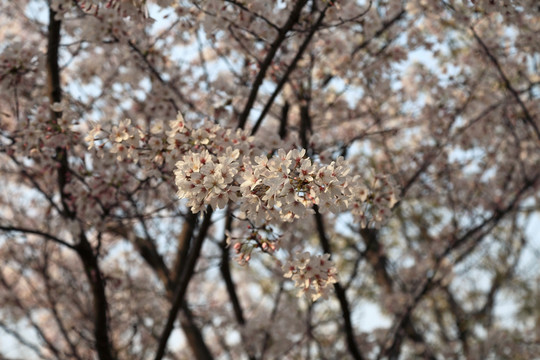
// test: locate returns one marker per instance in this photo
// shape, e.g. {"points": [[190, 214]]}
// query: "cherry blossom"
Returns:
{"points": [[301, 179]]}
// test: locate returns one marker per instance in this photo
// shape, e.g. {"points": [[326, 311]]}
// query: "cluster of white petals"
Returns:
{"points": [[274, 186], [215, 167], [206, 179], [312, 274]]}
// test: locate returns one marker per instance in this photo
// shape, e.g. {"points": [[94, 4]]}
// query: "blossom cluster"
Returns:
{"points": [[268, 189], [216, 166], [274, 186], [17, 61], [312, 274], [206, 179]]}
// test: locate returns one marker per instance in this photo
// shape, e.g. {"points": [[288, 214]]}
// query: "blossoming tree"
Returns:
{"points": [[254, 179]]}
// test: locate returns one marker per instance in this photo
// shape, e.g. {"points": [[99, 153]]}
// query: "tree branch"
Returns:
{"points": [[290, 69], [340, 292], [39, 233], [182, 251], [84, 249], [53, 303], [53, 69], [528, 118], [147, 249], [385, 26], [283, 120], [226, 273], [181, 289], [291, 21], [104, 346], [160, 79], [475, 234], [55, 96]]}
